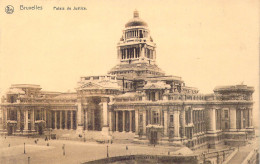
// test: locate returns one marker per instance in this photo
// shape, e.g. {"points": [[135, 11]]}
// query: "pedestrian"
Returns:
{"points": [[111, 141], [63, 148], [126, 147]]}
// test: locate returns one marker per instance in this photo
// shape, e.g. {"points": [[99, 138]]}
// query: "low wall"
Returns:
{"points": [[140, 159]]}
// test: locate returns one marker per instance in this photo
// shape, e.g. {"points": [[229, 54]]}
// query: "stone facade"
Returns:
{"points": [[135, 97]]}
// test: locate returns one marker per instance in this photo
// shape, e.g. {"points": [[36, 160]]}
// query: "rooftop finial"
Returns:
{"points": [[136, 14]]}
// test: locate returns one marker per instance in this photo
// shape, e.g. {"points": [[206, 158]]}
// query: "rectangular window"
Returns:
{"points": [[141, 118], [171, 118], [226, 113], [155, 117]]}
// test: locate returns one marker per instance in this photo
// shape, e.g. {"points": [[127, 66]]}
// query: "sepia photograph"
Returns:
{"points": [[129, 82]]}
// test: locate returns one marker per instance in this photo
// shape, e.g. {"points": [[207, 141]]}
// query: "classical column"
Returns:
{"points": [[136, 122], [176, 122], [61, 119], [86, 120], [233, 118], [3, 120], [71, 119], [130, 121], [32, 120], [104, 105], [117, 121], [18, 120], [79, 112], [123, 121], [135, 52], [191, 116], [93, 120], [6, 118], [242, 118], [66, 119], [212, 120], [55, 119], [165, 130], [144, 122], [45, 116], [110, 121], [250, 117], [182, 122], [26, 120]]}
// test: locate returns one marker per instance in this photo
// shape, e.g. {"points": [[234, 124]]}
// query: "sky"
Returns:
{"points": [[207, 43]]}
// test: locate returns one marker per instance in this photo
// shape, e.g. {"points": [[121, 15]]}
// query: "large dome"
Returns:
{"points": [[136, 21]]}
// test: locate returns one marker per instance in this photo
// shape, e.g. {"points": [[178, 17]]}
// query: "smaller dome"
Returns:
{"points": [[136, 21]]}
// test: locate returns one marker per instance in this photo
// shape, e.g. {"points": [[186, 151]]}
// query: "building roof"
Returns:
{"points": [[157, 85], [136, 21], [66, 96], [234, 88], [25, 86], [15, 91]]}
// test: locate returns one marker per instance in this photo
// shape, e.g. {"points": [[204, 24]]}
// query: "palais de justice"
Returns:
{"points": [[135, 100]]}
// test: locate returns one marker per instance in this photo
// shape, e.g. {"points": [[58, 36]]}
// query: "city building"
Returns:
{"points": [[136, 100]]}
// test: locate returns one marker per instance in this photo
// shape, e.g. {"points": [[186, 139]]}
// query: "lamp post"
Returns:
{"points": [[107, 152], [24, 148]]}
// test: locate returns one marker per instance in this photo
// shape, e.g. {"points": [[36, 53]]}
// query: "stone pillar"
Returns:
{"points": [[32, 120], [233, 118], [242, 118], [123, 121], [176, 122], [116, 121], [104, 105], [93, 120], [61, 119], [250, 117], [79, 120], [71, 119], [26, 120], [130, 121], [212, 120], [136, 122], [2, 122], [86, 119], [55, 119], [110, 121], [182, 122], [144, 122], [165, 130], [18, 120], [45, 115], [135, 52], [66, 119], [191, 116], [6, 110]]}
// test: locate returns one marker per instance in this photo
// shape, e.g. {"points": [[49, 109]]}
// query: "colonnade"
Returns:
{"points": [[124, 122], [63, 121], [239, 118]]}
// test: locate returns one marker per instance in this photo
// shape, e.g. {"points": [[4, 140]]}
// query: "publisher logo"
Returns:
{"points": [[9, 9]]}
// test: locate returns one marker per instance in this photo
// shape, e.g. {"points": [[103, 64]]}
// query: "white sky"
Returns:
{"points": [[207, 43]]}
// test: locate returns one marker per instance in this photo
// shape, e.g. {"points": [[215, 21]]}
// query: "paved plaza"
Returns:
{"points": [[75, 151]]}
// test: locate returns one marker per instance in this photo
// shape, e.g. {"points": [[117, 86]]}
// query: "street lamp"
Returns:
{"points": [[84, 136], [24, 148], [107, 152]]}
